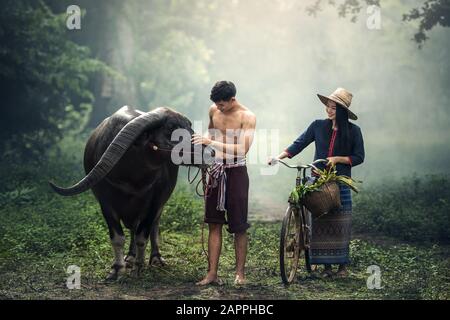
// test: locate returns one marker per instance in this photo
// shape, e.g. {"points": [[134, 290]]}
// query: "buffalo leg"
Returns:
{"points": [[117, 238], [131, 255], [155, 256], [141, 239]]}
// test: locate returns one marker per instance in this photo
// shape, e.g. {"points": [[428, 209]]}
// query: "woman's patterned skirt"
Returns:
{"points": [[331, 233]]}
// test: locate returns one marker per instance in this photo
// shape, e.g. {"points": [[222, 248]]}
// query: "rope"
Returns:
{"points": [[203, 181]]}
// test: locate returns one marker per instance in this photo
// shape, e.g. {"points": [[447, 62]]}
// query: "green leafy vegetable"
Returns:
{"points": [[328, 174]]}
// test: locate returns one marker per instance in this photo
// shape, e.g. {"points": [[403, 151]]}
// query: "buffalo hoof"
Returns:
{"points": [[115, 273], [157, 261], [137, 270], [129, 261]]}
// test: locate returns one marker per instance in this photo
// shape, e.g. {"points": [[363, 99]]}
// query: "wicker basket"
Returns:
{"points": [[324, 200]]}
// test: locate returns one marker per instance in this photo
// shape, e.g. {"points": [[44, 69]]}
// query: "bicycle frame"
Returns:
{"points": [[303, 235]]}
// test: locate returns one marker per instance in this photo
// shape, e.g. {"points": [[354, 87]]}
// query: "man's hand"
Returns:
{"points": [[199, 139]]}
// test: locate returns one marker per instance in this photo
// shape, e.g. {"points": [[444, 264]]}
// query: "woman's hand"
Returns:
{"points": [[336, 160], [272, 161], [332, 161], [199, 139]]}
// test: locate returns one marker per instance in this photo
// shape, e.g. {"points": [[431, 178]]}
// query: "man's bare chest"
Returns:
{"points": [[227, 122]]}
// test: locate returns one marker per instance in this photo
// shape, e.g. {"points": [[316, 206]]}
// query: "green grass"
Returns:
{"points": [[402, 228], [412, 209], [41, 237]]}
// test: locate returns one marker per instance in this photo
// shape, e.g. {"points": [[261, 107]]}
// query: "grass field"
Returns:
{"points": [[41, 234]]}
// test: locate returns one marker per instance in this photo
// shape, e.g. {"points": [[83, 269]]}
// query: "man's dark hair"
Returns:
{"points": [[223, 91]]}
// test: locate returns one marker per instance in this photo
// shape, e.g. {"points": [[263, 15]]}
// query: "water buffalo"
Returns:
{"points": [[128, 167]]}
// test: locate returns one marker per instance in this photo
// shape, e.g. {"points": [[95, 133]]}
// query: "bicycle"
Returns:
{"points": [[296, 230]]}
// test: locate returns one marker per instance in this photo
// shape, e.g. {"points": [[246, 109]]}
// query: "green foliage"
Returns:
{"points": [[180, 62], [414, 209], [294, 197], [407, 271], [44, 78], [33, 217], [183, 212], [326, 175], [170, 59], [345, 8], [42, 233], [39, 242], [431, 14]]}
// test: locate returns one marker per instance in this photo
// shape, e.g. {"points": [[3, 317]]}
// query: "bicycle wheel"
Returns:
{"points": [[305, 236], [289, 244]]}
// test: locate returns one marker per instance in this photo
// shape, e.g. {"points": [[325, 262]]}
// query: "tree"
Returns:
{"points": [[431, 14], [157, 45], [43, 77]]}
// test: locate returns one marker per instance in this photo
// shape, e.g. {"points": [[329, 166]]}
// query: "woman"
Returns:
{"points": [[341, 142]]}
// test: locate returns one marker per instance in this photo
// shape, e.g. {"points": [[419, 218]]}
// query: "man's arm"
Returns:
{"points": [[212, 109], [245, 137]]}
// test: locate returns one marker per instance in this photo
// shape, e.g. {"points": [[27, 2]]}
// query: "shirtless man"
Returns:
{"points": [[231, 128]]}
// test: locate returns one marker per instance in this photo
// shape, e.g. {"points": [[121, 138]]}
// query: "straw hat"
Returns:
{"points": [[341, 97]]}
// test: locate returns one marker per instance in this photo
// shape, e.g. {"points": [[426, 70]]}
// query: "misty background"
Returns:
{"points": [[152, 53]]}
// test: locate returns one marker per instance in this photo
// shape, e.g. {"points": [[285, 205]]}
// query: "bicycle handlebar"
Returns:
{"points": [[304, 166]]}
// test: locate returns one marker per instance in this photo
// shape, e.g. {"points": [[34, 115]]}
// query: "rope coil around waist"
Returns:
{"points": [[219, 179]]}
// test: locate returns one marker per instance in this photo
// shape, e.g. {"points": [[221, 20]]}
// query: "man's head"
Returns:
{"points": [[223, 94]]}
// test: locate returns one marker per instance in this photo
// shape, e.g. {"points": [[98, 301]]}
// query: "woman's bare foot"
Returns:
{"points": [[209, 279], [342, 271], [327, 272]]}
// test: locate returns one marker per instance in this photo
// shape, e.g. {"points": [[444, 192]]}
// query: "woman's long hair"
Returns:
{"points": [[343, 135]]}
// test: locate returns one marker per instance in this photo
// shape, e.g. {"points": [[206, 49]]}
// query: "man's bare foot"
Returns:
{"points": [[240, 280], [210, 280]]}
